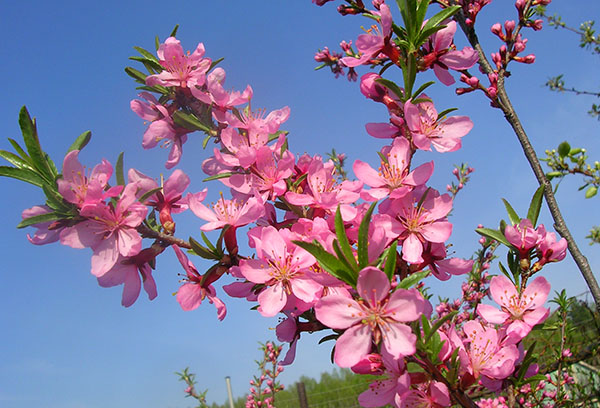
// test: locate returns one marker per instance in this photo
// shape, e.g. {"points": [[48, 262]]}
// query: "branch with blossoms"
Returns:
{"points": [[327, 252]]}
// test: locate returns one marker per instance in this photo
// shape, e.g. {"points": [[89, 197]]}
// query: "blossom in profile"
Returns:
{"points": [[191, 294], [130, 272]]}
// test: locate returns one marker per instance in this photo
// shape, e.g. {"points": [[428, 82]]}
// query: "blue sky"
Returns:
{"points": [[66, 342]]}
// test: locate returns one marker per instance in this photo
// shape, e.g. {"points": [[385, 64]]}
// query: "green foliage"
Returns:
{"points": [[337, 389]]}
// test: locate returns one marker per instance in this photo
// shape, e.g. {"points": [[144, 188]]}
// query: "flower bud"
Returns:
{"points": [[372, 89]]}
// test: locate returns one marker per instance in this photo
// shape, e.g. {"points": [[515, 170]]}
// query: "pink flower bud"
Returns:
{"points": [[497, 30], [370, 88]]}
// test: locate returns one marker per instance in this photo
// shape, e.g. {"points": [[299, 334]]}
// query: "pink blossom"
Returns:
{"points": [[44, 234], [109, 230], [130, 273], [377, 316], [417, 224], [395, 382], [217, 95], [483, 352], [551, 250], [191, 294], [180, 69], [443, 54], [235, 213], [371, 44], [393, 177], [166, 131], [323, 189], [522, 236], [518, 312], [435, 257], [434, 395], [80, 188], [281, 267], [427, 129]]}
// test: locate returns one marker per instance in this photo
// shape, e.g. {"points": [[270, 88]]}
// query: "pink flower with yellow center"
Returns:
{"points": [[377, 316]]}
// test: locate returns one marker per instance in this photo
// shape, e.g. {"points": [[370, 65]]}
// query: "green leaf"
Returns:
{"points": [[413, 279], [535, 206], [220, 176], [493, 234], [15, 160], [438, 18], [363, 238], [148, 194], [38, 219], [344, 244], [174, 32], [439, 324], [207, 241], [20, 151], [146, 54], [391, 86], [563, 149], [421, 89], [505, 272], [342, 257], [32, 144], [150, 64], [512, 214], [135, 74], [591, 191], [445, 112], [215, 62], [53, 198], [23, 174], [119, 170], [202, 251], [190, 122], [81, 141], [328, 262], [390, 261]]}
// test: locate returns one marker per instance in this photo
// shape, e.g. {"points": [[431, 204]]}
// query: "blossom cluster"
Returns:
{"points": [[329, 253]]}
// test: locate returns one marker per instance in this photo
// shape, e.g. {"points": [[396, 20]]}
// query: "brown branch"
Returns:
{"points": [[146, 232], [511, 116]]}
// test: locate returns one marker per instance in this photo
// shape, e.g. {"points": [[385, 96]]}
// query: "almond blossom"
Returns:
{"points": [[191, 294], [281, 266], [369, 45], [377, 316], [427, 129], [519, 312], [180, 69], [130, 272], [393, 177], [443, 54]]}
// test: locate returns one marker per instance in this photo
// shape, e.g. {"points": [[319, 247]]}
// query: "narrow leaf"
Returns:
{"points": [[135, 74], [512, 214], [363, 238], [421, 89], [390, 261], [23, 174], [391, 86], [327, 261], [119, 170], [493, 234], [202, 251], [219, 176], [207, 241], [148, 194], [439, 324], [38, 219], [189, 121], [20, 151], [146, 54], [342, 238], [15, 160], [535, 206], [215, 62], [174, 32], [81, 141], [32, 144], [413, 279]]}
